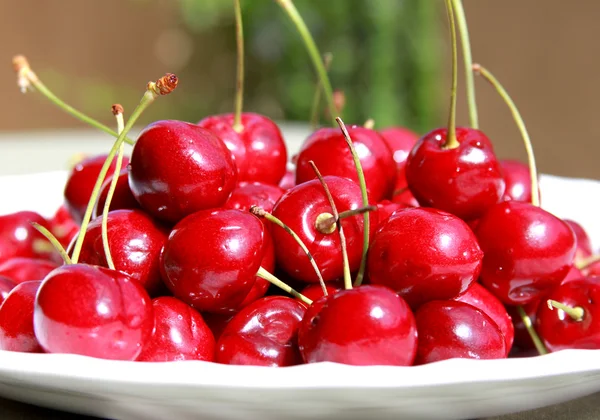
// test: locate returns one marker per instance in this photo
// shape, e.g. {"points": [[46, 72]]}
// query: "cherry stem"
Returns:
{"points": [[162, 86], [336, 216], [313, 52], [586, 262], [118, 113], [265, 275], [576, 313], [463, 32], [53, 241], [260, 212], [489, 77], [26, 78], [365, 202], [326, 223], [539, 345], [451, 142], [370, 124], [239, 85], [316, 105]]}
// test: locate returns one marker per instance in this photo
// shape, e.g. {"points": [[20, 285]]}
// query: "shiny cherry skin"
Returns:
{"points": [[211, 258], [479, 297], [386, 208], [179, 333], [261, 286], [450, 329], [21, 269], [81, 181], [16, 319], [289, 178], [248, 194], [517, 179], [264, 333], [584, 243], [18, 238], [465, 181], [6, 285], [527, 251], [400, 141], [327, 148], [558, 330], [314, 291], [63, 226], [258, 150], [424, 254], [135, 241], [179, 168], [122, 197], [367, 325], [92, 311], [402, 193], [299, 208]]}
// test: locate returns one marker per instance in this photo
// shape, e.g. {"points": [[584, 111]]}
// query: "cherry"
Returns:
{"points": [[450, 329], [314, 291], [264, 333], [289, 178], [424, 254], [402, 193], [517, 179], [576, 326], [400, 141], [217, 322], [135, 241], [261, 286], [92, 311], [178, 168], [211, 258], [18, 238], [386, 208], [248, 194], [300, 208], [21, 269], [523, 344], [179, 333], [6, 285], [122, 197], [527, 251], [16, 319], [584, 244], [479, 297], [80, 184], [63, 227]]}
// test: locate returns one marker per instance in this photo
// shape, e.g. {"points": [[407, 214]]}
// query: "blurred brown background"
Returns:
{"points": [[95, 53]]}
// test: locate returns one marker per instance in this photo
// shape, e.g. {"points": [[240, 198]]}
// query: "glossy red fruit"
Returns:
{"points": [[558, 330], [400, 141], [211, 258], [402, 194], [328, 149], [289, 178], [259, 150], [16, 319], [299, 208], [135, 241], [179, 333], [527, 251], [92, 311], [81, 181], [314, 291], [424, 254], [122, 198], [217, 322], [6, 285], [178, 168], [261, 286], [248, 194], [479, 297], [465, 181], [21, 269], [386, 208], [367, 325], [264, 333], [18, 238], [517, 179], [63, 226], [584, 243], [450, 329]]}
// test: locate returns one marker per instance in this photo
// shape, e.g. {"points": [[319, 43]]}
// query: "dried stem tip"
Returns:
{"points": [[20, 63], [164, 85], [117, 109], [257, 211]]}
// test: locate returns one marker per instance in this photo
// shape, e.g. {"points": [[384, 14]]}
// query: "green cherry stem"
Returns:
{"points": [[365, 202], [451, 142], [162, 86], [539, 345], [326, 223], [316, 105], [463, 32], [576, 313], [585, 263], [53, 241], [313, 52], [27, 79], [239, 85], [489, 77], [265, 275]]}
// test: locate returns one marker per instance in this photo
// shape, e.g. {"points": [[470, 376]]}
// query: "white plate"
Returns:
{"points": [[453, 389]]}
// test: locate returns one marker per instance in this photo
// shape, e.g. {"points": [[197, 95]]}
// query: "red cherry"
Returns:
{"points": [[465, 181], [248, 194], [178, 168], [314, 291], [261, 286], [517, 179], [92, 311], [135, 241], [16, 319], [264, 333], [6, 285], [81, 181], [573, 274], [560, 331], [18, 238], [400, 140], [63, 227], [386, 208], [402, 193], [479, 297], [527, 251], [327, 148], [289, 179], [367, 325], [299, 209], [21, 269], [259, 150], [179, 333], [211, 258], [450, 329], [424, 254], [584, 244], [122, 197], [217, 322]]}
